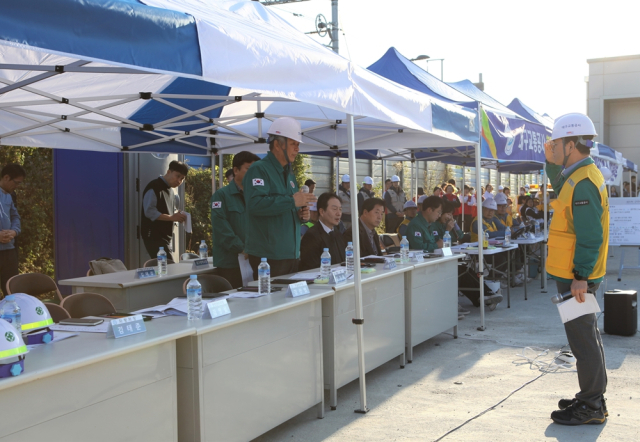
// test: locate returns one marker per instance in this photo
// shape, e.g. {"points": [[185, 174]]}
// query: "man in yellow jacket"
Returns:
{"points": [[577, 258]]}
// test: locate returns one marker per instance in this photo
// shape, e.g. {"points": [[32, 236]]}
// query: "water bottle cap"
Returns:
{"points": [[263, 259], [193, 276], [202, 242], [349, 243], [404, 237], [325, 250], [161, 248], [10, 297]]}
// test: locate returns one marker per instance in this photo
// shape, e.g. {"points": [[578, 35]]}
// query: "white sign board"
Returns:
{"points": [[624, 225]]}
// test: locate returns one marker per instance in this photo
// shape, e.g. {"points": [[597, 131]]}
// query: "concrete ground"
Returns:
{"points": [[453, 380]]}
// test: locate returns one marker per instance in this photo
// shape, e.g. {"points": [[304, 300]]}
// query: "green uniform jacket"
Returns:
{"points": [[456, 234], [228, 226], [273, 225], [420, 234], [586, 220]]}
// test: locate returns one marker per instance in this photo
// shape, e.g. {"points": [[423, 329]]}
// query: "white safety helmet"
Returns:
{"points": [[573, 125], [395, 179], [421, 198], [500, 199], [286, 127], [500, 187], [11, 346], [489, 203], [346, 179], [410, 204], [368, 180], [35, 318]]}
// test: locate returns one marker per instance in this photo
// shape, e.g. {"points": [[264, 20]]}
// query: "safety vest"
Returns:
{"points": [[562, 236], [490, 227], [397, 199], [405, 222]]}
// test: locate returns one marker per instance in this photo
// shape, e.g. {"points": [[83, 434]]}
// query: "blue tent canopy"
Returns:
{"points": [[525, 111]]}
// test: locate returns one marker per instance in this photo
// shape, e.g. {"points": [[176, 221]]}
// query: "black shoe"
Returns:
{"points": [[565, 403], [579, 413]]}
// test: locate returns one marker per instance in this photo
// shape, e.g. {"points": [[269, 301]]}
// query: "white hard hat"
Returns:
{"points": [[489, 203], [526, 186], [11, 346], [346, 179], [395, 179], [422, 198], [368, 180], [35, 316], [410, 204], [573, 125], [286, 127], [500, 187], [500, 199]]}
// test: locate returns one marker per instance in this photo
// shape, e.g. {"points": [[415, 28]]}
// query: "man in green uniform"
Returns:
{"points": [[577, 258], [228, 221], [447, 223], [420, 230], [274, 204]]}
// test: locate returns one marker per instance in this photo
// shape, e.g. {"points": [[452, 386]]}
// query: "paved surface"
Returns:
{"points": [[452, 380]]}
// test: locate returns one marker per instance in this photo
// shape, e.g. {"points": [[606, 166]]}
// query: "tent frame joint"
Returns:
{"points": [[145, 95]]}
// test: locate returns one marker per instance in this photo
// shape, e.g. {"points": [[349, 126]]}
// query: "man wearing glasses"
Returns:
{"points": [[420, 231], [11, 176]]}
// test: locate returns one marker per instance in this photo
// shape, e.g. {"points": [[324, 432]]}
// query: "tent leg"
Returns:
{"points": [[355, 226], [220, 172], [213, 173], [464, 166], [543, 274], [480, 226]]}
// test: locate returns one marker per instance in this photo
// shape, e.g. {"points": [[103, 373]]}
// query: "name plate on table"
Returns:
{"points": [[446, 251], [416, 257], [297, 289], [146, 272], [218, 308], [338, 276], [389, 263], [199, 264], [129, 325]]}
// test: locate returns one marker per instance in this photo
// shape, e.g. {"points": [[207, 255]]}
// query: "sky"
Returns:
{"points": [[535, 51]]}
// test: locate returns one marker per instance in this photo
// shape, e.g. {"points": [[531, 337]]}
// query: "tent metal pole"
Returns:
{"points": [[337, 171], [384, 176], [213, 173], [543, 274], [220, 172], [480, 226], [357, 283], [464, 166]]}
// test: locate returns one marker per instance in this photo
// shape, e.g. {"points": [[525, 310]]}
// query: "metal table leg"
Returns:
{"points": [[526, 271], [508, 278]]}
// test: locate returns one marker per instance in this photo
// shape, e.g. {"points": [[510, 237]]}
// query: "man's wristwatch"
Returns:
{"points": [[577, 276]]}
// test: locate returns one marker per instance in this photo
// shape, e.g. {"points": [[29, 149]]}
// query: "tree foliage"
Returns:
{"points": [[35, 206]]}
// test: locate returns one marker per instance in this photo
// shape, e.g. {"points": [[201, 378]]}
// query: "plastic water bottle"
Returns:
{"points": [[507, 236], [162, 262], [325, 264], [404, 250], [537, 227], [10, 312], [194, 298], [446, 239], [485, 242], [264, 277], [203, 249], [348, 253]]}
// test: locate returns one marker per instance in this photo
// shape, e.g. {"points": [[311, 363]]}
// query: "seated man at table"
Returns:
{"points": [[371, 214], [447, 223], [489, 221], [410, 210], [324, 234], [420, 232]]}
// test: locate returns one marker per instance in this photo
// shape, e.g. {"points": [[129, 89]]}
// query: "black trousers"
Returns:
{"points": [[278, 267], [234, 276], [8, 267], [153, 245]]}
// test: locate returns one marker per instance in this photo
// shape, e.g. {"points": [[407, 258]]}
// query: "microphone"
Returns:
{"points": [[561, 297]]}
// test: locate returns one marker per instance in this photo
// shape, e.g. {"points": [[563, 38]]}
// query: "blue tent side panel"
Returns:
{"points": [[89, 210]]}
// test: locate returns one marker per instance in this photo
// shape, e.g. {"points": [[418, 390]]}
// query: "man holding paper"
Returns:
{"points": [[577, 259], [228, 222]]}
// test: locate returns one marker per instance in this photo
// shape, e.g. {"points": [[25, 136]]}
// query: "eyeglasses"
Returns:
{"points": [[17, 182]]}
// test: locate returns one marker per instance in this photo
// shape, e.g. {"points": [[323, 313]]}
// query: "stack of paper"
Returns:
{"points": [[176, 307]]}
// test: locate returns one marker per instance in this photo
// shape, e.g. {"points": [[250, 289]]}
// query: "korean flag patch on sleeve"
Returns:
{"points": [[435, 233], [216, 205], [418, 234], [258, 182]]}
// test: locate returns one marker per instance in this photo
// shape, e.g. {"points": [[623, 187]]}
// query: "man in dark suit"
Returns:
{"points": [[323, 234], [371, 214]]}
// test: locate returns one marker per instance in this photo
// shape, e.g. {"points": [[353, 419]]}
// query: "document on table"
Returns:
{"points": [[187, 223], [245, 295], [58, 336], [305, 275], [572, 309], [100, 328], [245, 269], [176, 307]]}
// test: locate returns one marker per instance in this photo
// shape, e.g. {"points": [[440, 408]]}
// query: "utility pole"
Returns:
{"points": [[335, 45]]}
